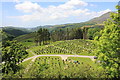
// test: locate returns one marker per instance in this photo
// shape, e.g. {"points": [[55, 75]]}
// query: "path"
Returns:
{"points": [[62, 56]]}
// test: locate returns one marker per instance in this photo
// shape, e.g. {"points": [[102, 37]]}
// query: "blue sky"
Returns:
{"points": [[32, 14]]}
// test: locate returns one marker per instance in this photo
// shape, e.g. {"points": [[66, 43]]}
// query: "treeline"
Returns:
{"points": [[67, 34], [43, 36]]}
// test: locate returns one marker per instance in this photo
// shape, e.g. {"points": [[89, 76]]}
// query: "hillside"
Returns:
{"points": [[14, 31], [5, 36], [92, 22], [101, 19], [97, 20], [63, 26], [25, 37]]}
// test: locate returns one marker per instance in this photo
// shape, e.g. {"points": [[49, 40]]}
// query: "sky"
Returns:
{"points": [[32, 13]]}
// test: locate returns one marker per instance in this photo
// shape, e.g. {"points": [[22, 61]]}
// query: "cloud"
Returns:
{"points": [[96, 14], [71, 9], [28, 6], [72, 4], [17, 1]]}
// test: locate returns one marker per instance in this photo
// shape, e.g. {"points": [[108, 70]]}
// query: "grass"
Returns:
{"points": [[25, 37], [30, 54], [77, 46], [21, 72], [53, 67], [28, 42], [84, 60], [24, 64]]}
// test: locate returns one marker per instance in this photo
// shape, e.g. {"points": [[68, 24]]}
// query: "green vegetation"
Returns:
{"points": [[77, 46], [55, 67], [15, 31], [12, 54], [5, 36], [69, 39], [42, 35], [66, 34], [25, 37], [30, 53], [93, 32], [108, 50]]}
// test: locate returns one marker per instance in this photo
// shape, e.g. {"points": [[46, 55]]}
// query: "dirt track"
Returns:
{"points": [[62, 56]]}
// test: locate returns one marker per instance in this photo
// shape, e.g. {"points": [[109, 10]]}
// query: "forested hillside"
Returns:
{"points": [[15, 31]]}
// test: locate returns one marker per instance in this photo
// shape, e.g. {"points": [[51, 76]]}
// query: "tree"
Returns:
{"points": [[78, 33], [84, 30], [12, 54], [108, 50], [93, 32], [42, 35]]}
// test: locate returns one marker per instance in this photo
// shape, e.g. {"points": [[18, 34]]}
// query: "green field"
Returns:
{"points": [[73, 67], [72, 47], [55, 67]]}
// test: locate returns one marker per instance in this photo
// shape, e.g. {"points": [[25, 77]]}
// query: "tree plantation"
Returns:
{"points": [[78, 51]]}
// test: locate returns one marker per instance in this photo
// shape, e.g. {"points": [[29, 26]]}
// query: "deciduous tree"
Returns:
{"points": [[108, 51]]}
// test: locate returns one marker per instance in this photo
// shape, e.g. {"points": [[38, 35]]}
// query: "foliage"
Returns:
{"points": [[42, 35], [108, 51], [12, 54], [66, 34], [93, 32]]}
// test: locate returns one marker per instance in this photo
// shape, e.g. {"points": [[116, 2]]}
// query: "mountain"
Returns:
{"points": [[92, 22], [101, 19]]}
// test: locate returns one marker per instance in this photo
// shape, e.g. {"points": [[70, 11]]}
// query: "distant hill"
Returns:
{"points": [[95, 22], [62, 26], [5, 36], [25, 37], [15, 31], [92, 22], [101, 19]]}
